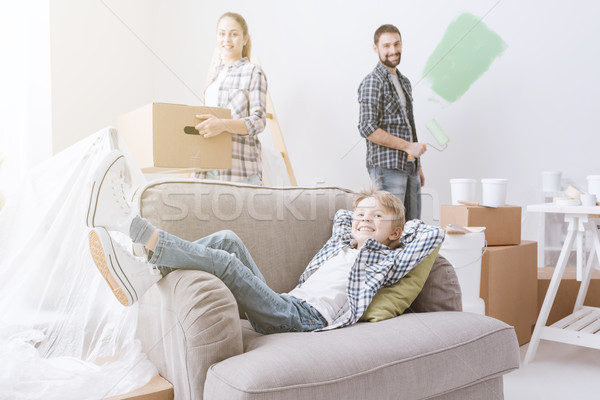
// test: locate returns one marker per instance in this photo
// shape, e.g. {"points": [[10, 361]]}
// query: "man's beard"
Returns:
{"points": [[389, 63]]}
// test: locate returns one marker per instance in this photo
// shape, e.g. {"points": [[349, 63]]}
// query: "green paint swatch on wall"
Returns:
{"points": [[466, 51]]}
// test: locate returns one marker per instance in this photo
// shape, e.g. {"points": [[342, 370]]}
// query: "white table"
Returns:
{"points": [[581, 327]]}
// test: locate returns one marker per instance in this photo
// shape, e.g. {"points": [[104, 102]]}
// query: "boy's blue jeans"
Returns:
{"points": [[224, 255]]}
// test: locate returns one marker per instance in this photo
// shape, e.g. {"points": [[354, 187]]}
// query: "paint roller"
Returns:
{"points": [[438, 134]]}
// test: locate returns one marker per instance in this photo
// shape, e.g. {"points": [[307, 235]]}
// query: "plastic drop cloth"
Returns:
{"points": [[63, 335]]}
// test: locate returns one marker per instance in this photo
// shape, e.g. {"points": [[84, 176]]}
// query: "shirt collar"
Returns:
{"points": [[381, 69], [373, 245], [236, 64]]}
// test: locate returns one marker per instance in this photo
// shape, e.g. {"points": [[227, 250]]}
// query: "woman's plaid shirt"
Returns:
{"points": [[376, 265], [244, 92]]}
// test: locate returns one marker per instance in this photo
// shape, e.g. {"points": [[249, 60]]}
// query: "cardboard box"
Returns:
{"points": [[509, 286], [157, 389], [502, 224], [156, 135], [567, 292]]}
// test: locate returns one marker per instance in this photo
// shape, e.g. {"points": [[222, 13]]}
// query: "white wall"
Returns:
{"points": [[100, 65], [25, 135], [533, 109]]}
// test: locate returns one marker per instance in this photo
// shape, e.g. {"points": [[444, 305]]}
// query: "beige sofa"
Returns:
{"points": [[190, 326]]}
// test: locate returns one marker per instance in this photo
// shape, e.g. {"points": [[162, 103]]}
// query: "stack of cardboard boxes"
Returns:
{"points": [[509, 265]]}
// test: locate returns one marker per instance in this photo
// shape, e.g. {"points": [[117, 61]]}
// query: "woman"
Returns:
{"points": [[241, 86]]}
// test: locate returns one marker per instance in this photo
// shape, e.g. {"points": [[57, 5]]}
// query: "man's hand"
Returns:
{"points": [[416, 149], [422, 176], [211, 126]]}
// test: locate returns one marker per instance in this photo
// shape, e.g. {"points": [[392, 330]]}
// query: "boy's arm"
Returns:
{"points": [[342, 222], [417, 242]]}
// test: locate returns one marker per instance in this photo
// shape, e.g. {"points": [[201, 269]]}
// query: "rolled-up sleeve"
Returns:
{"points": [[369, 93], [257, 102], [417, 242], [342, 222]]}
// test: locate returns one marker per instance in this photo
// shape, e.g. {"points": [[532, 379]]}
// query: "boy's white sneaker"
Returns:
{"points": [[107, 205], [128, 276]]}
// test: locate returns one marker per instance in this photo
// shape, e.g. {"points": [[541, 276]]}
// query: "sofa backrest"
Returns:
{"points": [[282, 227]]}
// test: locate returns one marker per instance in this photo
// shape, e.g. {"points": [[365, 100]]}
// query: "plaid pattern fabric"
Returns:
{"points": [[244, 92], [380, 108], [376, 265]]}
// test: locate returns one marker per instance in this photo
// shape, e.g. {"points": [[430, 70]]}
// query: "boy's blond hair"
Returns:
{"points": [[388, 201]]}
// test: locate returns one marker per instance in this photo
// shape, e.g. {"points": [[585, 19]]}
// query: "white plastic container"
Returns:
{"points": [[493, 192], [593, 185], [464, 253], [551, 181], [463, 189], [588, 199]]}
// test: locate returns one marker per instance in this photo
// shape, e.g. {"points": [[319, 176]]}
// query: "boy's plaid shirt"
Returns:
{"points": [[244, 92], [376, 265]]}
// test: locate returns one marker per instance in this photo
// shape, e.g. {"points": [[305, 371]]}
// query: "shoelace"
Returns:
{"points": [[118, 191], [152, 269]]}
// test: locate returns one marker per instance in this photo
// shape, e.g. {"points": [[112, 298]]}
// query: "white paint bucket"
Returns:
{"points": [[464, 253], [493, 192], [593, 185], [588, 199], [551, 181], [462, 189]]}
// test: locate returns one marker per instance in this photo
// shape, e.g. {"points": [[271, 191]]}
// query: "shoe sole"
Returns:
{"points": [[97, 182], [106, 261]]}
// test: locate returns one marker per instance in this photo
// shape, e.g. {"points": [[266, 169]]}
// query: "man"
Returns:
{"points": [[387, 122]]}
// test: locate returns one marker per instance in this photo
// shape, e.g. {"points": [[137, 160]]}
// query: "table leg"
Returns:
{"points": [[585, 282], [582, 221], [552, 288], [594, 251]]}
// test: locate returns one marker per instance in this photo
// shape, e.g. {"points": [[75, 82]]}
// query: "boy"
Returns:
{"points": [[334, 290]]}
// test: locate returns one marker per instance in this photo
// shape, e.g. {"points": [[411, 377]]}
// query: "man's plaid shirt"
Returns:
{"points": [[380, 108], [244, 92], [376, 265]]}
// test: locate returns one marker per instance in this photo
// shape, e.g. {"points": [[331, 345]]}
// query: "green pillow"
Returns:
{"points": [[392, 301]]}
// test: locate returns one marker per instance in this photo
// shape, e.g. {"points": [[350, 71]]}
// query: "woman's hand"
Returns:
{"points": [[210, 126]]}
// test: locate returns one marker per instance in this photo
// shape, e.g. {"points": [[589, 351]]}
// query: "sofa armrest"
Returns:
{"points": [[188, 321]]}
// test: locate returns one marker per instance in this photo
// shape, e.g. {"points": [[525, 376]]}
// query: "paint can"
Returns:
{"points": [[551, 181], [463, 190], [464, 252], [593, 185], [493, 192]]}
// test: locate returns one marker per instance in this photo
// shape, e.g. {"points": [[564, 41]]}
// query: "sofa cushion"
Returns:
{"points": [[415, 355], [441, 291], [392, 301]]}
